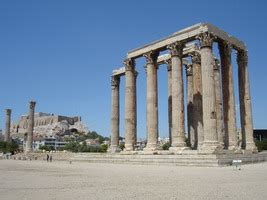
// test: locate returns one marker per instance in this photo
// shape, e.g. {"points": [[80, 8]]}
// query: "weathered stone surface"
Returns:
{"points": [[130, 105], [152, 101], [8, 123], [228, 96]]}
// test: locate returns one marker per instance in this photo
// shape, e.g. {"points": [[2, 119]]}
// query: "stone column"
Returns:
{"points": [[8, 123], [197, 101], [115, 113], [130, 104], [178, 127], [219, 104], [30, 127], [169, 69], [190, 106], [152, 100], [210, 143], [245, 102], [228, 96]]}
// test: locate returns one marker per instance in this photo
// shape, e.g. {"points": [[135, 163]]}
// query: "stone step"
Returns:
{"points": [[153, 162]]}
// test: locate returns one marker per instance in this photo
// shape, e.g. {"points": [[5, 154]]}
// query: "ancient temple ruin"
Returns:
{"points": [[211, 112]]}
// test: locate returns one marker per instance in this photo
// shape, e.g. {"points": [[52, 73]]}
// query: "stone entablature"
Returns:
{"points": [[187, 35]]}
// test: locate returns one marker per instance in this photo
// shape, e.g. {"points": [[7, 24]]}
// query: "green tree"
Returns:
{"points": [[6, 147], [47, 147]]}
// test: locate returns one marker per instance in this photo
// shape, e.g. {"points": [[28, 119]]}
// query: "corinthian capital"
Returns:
{"points": [[206, 39], [115, 81], [242, 57], [8, 111], [196, 58], [129, 64], [176, 49], [151, 57], [32, 104]]}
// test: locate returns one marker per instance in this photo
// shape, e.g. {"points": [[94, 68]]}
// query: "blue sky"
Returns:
{"points": [[61, 52]]}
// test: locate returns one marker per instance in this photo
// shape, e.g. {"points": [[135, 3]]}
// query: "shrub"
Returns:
{"points": [[103, 148], [166, 146], [261, 145], [122, 146], [6, 147], [47, 147]]}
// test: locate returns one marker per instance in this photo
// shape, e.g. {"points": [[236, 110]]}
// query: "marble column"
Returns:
{"points": [[219, 104], [115, 113], [210, 143], [130, 104], [8, 123], [178, 127], [30, 126], [245, 102], [169, 69], [197, 101], [152, 100], [190, 106], [228, 96]]}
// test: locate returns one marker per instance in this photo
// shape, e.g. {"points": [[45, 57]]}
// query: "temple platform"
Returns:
{"points": [[186, 158]]}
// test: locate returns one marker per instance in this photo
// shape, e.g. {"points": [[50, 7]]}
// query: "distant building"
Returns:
{"points": [[92, 142], [49, 141]]}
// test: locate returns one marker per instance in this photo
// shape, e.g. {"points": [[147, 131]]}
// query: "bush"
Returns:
{"points": [[76, 147], [122, 146], [47, 148], [6, 147], [166, 146], [261, 145], [103, 148]]}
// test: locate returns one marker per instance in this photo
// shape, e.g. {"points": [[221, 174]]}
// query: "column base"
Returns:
{"points": [[211, 148], [178, 150], [128, 147], [114, 149], [151, 148], [233, 147], [252, 147]]}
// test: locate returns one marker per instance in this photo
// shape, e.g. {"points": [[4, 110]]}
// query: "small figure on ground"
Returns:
{"points": [[47, 157]]}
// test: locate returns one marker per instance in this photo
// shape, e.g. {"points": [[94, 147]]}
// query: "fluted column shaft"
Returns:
{"points": [[228, 96], [245, 102], [219, 104], [197, 101], [115, 113], [152, 100], [8, 123], [190, 106], [30, 126], [130, 104], [178, 127], [169, 68], [208, 88]]}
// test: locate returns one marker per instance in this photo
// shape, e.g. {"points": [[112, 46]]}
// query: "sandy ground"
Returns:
{"points": [[61, 180]]}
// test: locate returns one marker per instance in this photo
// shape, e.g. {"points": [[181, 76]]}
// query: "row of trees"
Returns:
{"points": [[77, 147]]}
